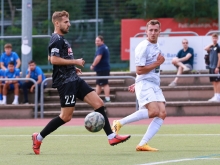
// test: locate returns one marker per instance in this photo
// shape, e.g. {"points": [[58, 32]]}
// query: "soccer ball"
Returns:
{"points": [[94, 122]]}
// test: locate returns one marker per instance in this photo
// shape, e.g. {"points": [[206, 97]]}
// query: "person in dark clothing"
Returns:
{"points": [[69, 85], [102, 67], [214, 66], [183, 61]]}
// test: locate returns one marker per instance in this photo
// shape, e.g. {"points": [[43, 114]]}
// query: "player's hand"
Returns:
{"points": [[80, 62], [91, 67], [216, 70], [131, 88], [78, 71], [32, 88], [160, 59]]}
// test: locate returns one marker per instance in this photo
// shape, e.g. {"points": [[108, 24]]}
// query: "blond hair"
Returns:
{"points": [[153, 22]]}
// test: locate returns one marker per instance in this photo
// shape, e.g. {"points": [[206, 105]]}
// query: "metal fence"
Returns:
{"points": [[85, 78], [119, 77], [36, 89]]}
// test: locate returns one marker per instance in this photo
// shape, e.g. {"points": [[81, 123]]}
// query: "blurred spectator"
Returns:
{"points": [[11, 72], [214, 66], [2, 75], [183, 61], [35, 73], [9, 56], [102, 67]]}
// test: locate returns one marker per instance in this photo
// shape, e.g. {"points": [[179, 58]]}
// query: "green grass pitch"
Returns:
{"points": [[74, 145]]}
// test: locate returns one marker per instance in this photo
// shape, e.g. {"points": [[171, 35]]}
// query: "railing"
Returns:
{"points": [[212, 31], [121, 77], [85, 78], [164, 33], [36, 89]]}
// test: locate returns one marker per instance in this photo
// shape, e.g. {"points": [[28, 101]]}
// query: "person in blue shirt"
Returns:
{"points": [[35, 73], [11, 72], [9, 56], [183, 61], [101, 65], [2, 75]]}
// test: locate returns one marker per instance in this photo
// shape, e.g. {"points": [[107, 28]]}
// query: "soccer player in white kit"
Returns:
{"points": [[148, 59]]}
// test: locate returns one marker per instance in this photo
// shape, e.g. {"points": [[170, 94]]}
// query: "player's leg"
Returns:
{"points": [[67, 101], [144, 94], [98, 89], [1, 90], [106, 86], [156, 110], [87, 94], [25, 87], [5, 91], [16, 93]]}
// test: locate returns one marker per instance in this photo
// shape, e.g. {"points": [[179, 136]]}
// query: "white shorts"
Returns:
{"points": [[147, 92]]}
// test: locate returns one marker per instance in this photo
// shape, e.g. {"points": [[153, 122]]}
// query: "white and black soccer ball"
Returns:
{"points": [[94, 122]]}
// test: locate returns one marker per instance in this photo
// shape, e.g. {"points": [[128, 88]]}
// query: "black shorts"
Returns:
{"points": [[102, 82], [70, 91], [212, 79]]}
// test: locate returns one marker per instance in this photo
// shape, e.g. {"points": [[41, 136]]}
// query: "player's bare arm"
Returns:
{"points": [[146, 69], [207, 48], [218, 65], [60, 61], [96, 61], [185, 58]]}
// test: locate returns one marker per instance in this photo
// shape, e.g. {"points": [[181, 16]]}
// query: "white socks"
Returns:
{"points": [[4, 98], [111, 136], [152, 130], [136, 116], [39, 137]]}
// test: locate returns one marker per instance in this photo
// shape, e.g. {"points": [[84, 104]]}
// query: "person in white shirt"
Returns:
{"points": [[148, 58]]}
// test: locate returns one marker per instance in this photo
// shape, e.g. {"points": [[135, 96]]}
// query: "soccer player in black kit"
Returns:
{"points": [[69, 85]]}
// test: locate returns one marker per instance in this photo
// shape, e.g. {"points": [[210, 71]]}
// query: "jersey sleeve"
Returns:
{"points": [[15, 56], [56, 47], [218, 49], [191, 52], [140, 55], [17, 73], [179, 54], [100, 51], [38, 71]]}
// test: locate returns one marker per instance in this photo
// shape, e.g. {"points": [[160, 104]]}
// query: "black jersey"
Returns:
{"points": [[60, 47]]}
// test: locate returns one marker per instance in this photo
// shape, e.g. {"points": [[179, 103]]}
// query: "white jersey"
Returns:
{"points": [[146, 53]]}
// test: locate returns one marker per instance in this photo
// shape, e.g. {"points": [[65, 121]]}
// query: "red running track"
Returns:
{"points": [[80, 121]]}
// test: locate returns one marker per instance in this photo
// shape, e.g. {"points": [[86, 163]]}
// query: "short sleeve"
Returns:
{"points": [[140, 55], [179, 54], [2, 58], [15, 56], [191, 51], [100, 51], [56, 47], [17, 73], [218, 49], [38, 71]]}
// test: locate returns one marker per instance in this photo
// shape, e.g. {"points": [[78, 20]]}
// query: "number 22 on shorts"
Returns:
{"points": [[69, 99]]}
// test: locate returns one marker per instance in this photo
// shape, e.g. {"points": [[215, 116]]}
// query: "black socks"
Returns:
{"points": [[107, 127], [52, 126]]}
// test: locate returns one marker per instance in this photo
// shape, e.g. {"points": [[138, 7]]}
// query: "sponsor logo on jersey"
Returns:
{"points": [[55, 50]]}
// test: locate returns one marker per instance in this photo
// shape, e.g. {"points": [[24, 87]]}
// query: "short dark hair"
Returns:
{"points": [[11, 63], [215, 35], [31, 62], [153, 22], [101, 37], [8, 45]]}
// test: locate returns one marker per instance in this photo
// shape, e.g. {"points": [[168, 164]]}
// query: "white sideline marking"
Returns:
{"points": [[179, 160], [135, 135]]}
